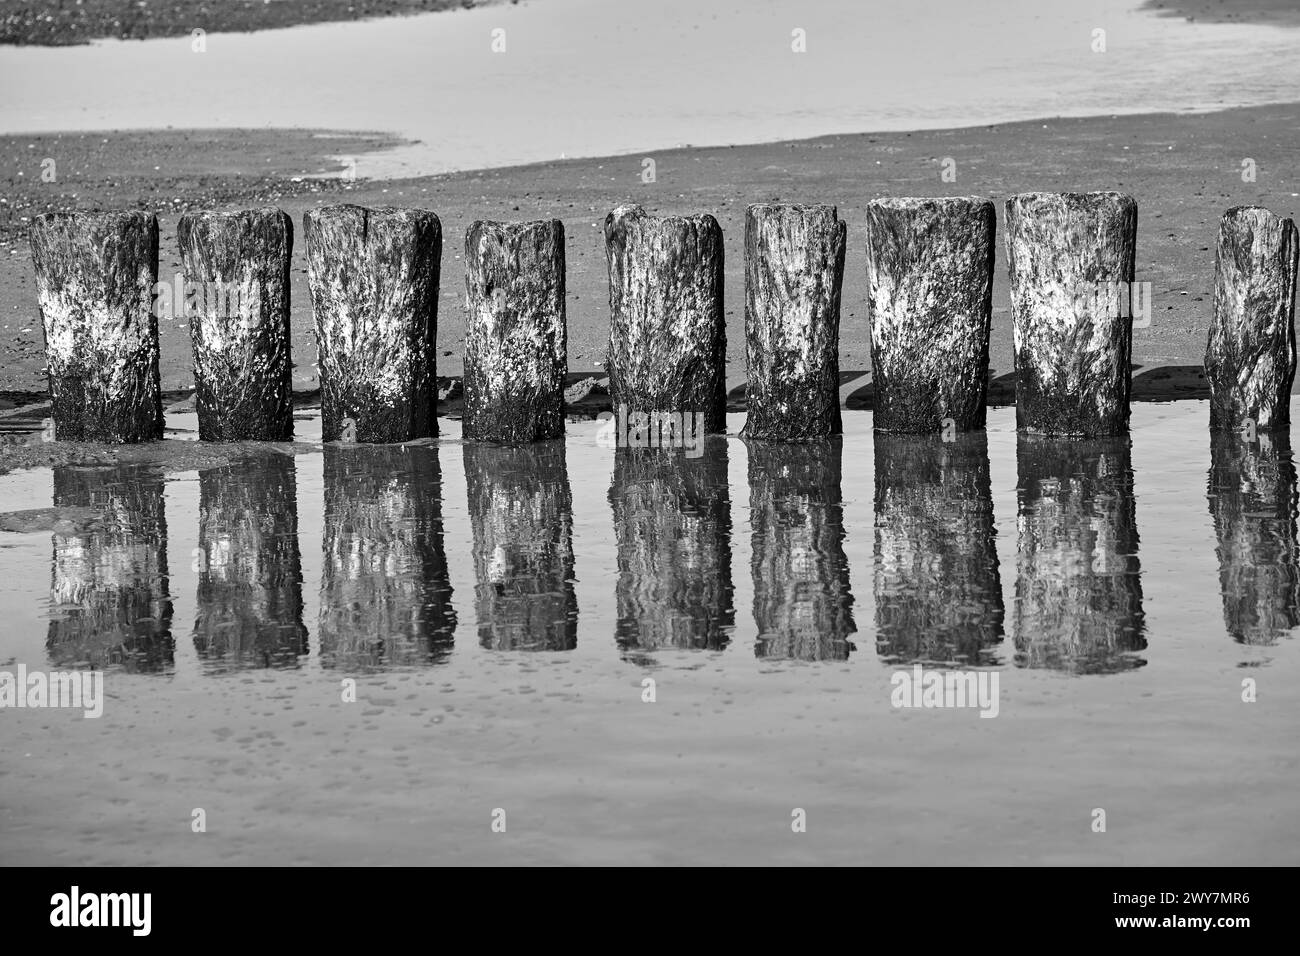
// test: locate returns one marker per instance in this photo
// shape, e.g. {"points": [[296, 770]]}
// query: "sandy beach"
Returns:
{"points": [[1184, 170]]}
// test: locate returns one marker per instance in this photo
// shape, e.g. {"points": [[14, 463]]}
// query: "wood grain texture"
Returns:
{"points": [[373, 275], [1250, 355], [794, 268], [515, 332], [930, 302], [95, 278], [668, 333], [239, 323], [1072, 348]]}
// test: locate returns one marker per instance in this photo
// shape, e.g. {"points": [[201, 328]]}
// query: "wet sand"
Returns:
{"points": [[1184, 170], [43, 23], [1231, 11]]}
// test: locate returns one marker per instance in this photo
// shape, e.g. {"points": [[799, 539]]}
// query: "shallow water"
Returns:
{"points": [[500, 608], [598, 77]]}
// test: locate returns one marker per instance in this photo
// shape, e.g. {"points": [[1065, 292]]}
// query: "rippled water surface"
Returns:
{"points": [[501, 608]]}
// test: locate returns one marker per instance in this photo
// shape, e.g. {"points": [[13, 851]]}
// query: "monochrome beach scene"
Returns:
{"points": [[593, 432]]}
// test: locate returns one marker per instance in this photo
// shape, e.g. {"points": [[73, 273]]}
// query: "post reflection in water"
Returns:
{"points": [[521, 510], [1252, 495], [250, 570], [109, 598], [803, 608], [1079, 586], [672, 525], [385, 593], [938, 585]]}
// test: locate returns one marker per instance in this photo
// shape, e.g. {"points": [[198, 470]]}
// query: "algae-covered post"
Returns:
{"points": [[95, 278], [236, 265], [1250, 356], [930, 301], [373, 275], [794, 265], [1071, 260], [515, 337], [667, 330]]}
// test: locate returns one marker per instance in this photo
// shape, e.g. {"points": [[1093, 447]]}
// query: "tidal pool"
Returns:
{"points": [[506, 84], [500, 610]]}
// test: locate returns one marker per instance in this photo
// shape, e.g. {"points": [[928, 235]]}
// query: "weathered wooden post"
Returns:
{"points": [[1078, 582], [1252, 495], [109, 600], [515, 336], [937, 581], [803, 607], [672, 526], [1071, 260], [236, 264], [521, 510], [385, 595], [794, 265], [373, 275], [95, 278], [667, 331], [1250, 356], [930, 301], [249, 598]]}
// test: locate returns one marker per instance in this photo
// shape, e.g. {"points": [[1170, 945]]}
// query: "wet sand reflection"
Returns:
{"points": [[672, 525], [938, 586], [385, 594], [1078, 583], [803, 608], [521, 510], [110, 604]]}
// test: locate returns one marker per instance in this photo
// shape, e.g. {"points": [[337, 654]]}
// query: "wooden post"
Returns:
{"points": [[794, 265], [249, 599], [1078, 584], [109, 601], [95, 278], [515, 337], [1250, 357], [930, 301], [937, 583], [385, 596], [1071, 261], [373, 275], [668, 331], [1252, 495], [803, 607], [236, 264], [521, 510], [672, 527]]}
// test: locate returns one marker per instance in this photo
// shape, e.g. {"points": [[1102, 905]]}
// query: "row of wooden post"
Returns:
{"points": [[374, 275]]}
